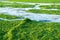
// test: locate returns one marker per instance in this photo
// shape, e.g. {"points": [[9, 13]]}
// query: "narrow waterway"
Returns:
{"points": [[33, 16]]}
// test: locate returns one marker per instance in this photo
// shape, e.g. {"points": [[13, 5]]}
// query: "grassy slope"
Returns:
{"points": [[36, 0], [5, 26], [44, 11], [15, 5], [6, 16], [50, 6], [29, 30]]}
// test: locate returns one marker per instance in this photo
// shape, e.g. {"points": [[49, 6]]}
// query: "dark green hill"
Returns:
{"points": [[29, 30]]}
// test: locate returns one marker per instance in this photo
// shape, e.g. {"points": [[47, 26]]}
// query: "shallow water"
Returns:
{"points": [[32, 16]]}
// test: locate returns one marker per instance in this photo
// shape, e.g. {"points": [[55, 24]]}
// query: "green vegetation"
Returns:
{"points": [[10, 16], [44, 11], [50, 6], [5, 26], [29, 30], [41, 1], [15, 5]]}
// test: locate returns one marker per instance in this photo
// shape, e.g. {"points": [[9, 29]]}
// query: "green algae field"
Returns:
{"points": [[30, 20]]}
